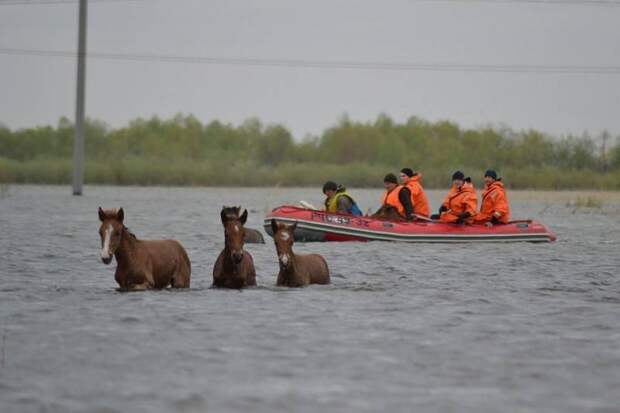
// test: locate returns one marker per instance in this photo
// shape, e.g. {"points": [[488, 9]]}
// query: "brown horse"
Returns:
{"points": [[234, 267], [296, 270], [253, 236], [141, 264], [388, 213]]}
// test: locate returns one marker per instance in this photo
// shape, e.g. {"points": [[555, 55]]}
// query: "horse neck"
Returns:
{"points": [[126, 250], [228, 264]]}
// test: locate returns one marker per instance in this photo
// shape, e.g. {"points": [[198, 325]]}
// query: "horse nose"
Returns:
{"points": [[238, 256], [284, 260]]}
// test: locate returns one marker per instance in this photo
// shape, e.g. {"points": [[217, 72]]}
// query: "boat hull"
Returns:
{"points": [[320, 226]]}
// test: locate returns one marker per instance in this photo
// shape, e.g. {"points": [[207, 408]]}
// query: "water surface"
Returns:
{"points": [[403, 327]]}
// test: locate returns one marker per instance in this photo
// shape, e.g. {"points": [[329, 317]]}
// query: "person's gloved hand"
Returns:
{"points": [[462, 217], [442, 208]]}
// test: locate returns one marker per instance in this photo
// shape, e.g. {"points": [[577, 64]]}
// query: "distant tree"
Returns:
{"points": [[528, 158], [274, 145], [614, 155]]}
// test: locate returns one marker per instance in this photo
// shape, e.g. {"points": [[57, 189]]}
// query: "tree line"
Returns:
{"points": [[184, 151]]}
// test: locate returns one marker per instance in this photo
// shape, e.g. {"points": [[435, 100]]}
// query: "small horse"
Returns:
{"points": [[296, 270], [388, 213], [234, 267], [141, 264], [253, 236]]}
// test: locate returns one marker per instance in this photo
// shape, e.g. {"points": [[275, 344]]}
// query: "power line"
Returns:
{"points": [[58, 2], [612, 3], [542, 2], [329, 64]]}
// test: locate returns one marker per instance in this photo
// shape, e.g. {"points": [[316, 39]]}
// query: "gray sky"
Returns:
{"points": [[38, 90]]}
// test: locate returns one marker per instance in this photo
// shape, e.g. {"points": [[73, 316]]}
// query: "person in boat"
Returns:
{"points": [[412, 181], [494, 209], [337, 200], [461, 203], [397, 196]]}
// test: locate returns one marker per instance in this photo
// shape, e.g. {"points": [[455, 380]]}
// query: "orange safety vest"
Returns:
{"points": [[418, 197], [391, 198], [459, 201], [494, 202]]}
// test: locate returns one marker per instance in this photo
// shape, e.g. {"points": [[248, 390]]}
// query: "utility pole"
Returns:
{"points": [[604, 137], [78, 144]]}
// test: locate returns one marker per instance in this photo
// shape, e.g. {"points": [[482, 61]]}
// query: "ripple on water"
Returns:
{"points": [[402, 326]]}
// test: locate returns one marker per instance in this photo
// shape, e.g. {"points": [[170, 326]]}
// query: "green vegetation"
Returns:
{"points": [[586, 202], [183, 151]]}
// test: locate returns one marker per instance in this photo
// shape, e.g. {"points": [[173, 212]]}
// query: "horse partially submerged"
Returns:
{"points": [[296, 270], [141, 264], [253, 236], [234, 267]]}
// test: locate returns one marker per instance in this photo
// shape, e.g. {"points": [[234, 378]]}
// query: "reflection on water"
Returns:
{"points": [[424, 327]]}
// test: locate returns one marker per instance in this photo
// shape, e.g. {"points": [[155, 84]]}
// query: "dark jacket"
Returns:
{"points": [[404, 196]]}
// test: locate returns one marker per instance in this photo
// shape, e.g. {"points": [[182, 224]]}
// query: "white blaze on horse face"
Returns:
{"points": [[107, 235], [284, 259], [284, 236], [236, 228]]}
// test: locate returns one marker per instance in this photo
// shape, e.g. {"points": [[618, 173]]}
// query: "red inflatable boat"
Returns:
{"points": [[313, 225]]}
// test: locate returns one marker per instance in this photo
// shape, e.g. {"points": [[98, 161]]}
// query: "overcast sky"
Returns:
{"points": [[38, 90]]}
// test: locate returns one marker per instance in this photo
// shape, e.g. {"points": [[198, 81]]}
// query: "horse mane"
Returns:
{"points": [[129, 232]]}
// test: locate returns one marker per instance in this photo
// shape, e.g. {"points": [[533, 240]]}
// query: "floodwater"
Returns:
{"points": [[403, 327]]}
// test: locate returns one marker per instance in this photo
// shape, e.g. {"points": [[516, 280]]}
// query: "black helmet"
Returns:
{"points": [[491, 174], [330, 186], [391, 178]]}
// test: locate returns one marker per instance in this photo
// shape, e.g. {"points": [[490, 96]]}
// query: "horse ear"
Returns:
{"points": [[293, 227], [120, 215], [101, 214], [223, 215], [244, 217], [274, 226]]}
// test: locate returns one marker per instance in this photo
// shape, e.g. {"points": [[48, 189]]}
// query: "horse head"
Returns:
{"points": [[110, 231], [234, 231], [283, 236]]}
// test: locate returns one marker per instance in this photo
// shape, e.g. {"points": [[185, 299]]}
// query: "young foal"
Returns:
{"points": [[296, 270], [141, 264], [234, 267]]}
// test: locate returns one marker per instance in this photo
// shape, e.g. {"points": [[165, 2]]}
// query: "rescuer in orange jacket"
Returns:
{"points": [[397, 196], [412, 181], [461, 203], [494, 208]]}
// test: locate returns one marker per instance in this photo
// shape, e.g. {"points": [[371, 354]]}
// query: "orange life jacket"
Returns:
{"points": [[391, 198], [459, 201], [494, 203], [418, 197]]}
